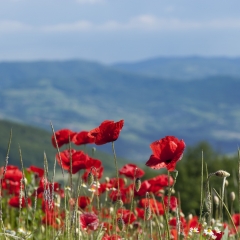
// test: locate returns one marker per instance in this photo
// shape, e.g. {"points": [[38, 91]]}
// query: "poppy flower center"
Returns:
{"points": [[168, 161]]}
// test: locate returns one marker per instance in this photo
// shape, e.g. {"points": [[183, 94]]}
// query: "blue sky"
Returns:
{"points": [[111, 31]]}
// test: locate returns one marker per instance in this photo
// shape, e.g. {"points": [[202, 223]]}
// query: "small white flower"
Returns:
{"points": [[96, 184], [92, 189], [84, 185], [204, 224], [217, 230], [195, 230], [208, 232]]}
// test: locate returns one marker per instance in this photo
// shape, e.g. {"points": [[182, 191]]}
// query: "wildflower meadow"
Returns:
{"points": [[85, 205]]}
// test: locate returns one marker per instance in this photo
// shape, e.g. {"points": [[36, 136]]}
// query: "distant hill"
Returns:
{"points": [[34, 142], [79, 95], [184, 68]]}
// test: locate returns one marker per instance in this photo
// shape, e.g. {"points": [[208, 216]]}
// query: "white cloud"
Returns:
{"points": [[68, 27], [13, 26], [90, 1], [138, 23], [226, 135]]}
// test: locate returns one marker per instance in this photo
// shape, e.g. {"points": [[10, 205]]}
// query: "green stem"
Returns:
{"points": [[115, 160], [229, 214], [201, 196], [166, 219]]}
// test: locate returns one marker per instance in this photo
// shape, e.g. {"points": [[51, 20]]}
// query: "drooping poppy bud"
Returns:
{"points": [[148, 213], [90, 178], [137, 184], [120, 223]]}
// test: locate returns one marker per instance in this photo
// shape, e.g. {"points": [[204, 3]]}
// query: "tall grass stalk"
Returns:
{"points": [[59, 155], [166, 220], [116, 166], [24, 185], [1, 179], [239, 180], [229, 215], [201, 191]]}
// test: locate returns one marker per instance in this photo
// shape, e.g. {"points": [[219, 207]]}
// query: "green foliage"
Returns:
{"points": [[189, 178]]}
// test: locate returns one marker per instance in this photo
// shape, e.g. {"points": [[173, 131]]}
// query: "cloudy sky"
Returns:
{"points": [[110, 31]]}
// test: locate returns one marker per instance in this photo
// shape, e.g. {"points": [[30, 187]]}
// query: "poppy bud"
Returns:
{"points": [[226, 183], [232, 196], [94, 150], [90, 179], [120, 223], [137, 184], [148, 213], [216, 200], [119, 203], [222, 173]]}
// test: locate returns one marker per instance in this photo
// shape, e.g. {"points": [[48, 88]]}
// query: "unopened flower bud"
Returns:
{"points": [[137, 184], [222, 173], [216, 200], [226, 183], [90, 179], [94, 150], [148, 213], [119, 203], [120, 223], [232, 196]]}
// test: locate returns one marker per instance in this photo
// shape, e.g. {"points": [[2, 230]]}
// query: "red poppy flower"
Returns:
{"points": [[83, 202], [173, 222], [54, 219], [127, 216], [12, 173], [173, 202], [140, 212], [12, 187], [117, 195], [218, 235], [113, 183], [236, 219], [112, 237], [89, 220], [82, 138], [96, 173], [48, 186], [79, 159], [107, 227], [155, 206], [161, 181], [145, 186], [108, 131], [131, 171], [14, 202], [37, 170], [166, 153], [62, 137]]}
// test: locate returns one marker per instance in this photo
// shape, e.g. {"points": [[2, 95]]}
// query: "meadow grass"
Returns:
{"points": [[34, 206]]}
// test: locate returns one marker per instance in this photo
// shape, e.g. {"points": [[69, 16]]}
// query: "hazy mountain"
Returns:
{"points": [[184, 68], [79, 95]]}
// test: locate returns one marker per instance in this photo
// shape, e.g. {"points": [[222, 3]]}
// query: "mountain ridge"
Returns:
{"points": [[80, 95]]}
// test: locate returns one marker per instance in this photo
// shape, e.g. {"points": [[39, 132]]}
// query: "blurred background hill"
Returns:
{"points": [[79, 95]]}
